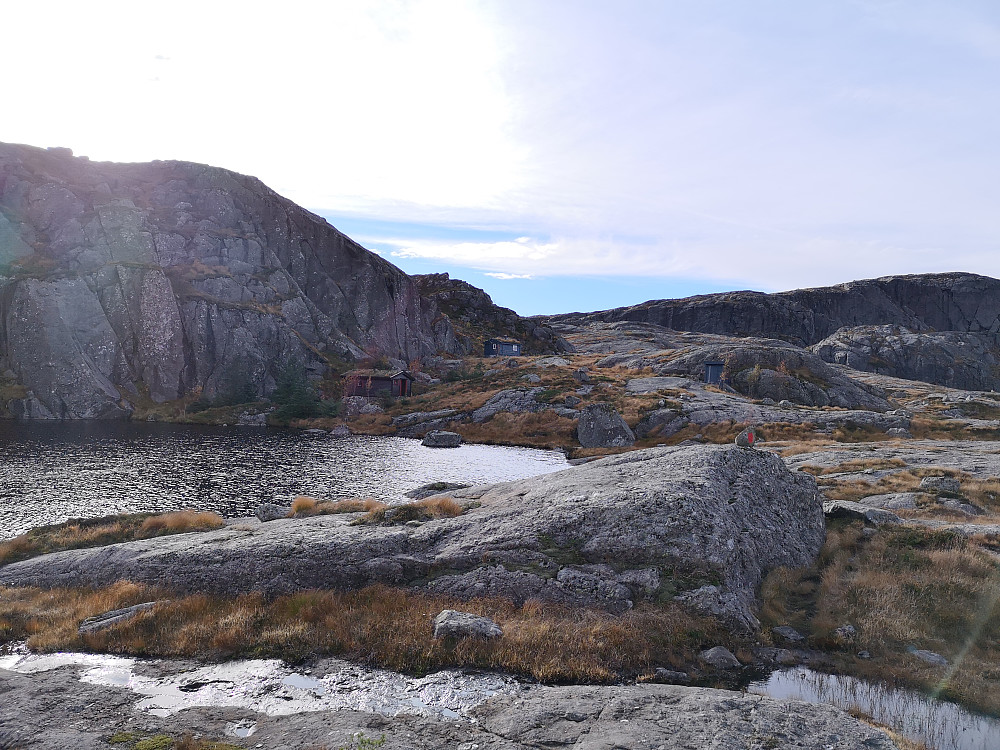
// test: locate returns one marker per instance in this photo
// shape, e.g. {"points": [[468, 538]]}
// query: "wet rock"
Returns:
{"points": [[452, 624], [272, 512], [602, 427], [442, 439], [941, 484], [720, 657], [434, 488]]}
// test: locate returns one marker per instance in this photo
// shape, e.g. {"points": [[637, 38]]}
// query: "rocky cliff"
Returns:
{"points": [[476, 317], [961, 302], [939, 328], [123, 282]]}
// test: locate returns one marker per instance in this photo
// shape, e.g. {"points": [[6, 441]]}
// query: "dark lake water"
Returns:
{"points": [[52, 471]]}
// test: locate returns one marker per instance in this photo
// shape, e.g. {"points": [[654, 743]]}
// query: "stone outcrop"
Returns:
{"points": [[611, 532], [958, 360], [476, 317], [766, 368], [441, 439], [126, 282], [940, 302]]}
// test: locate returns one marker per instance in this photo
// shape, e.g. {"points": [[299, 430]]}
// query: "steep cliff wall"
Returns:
{"points": [[961, 302], [125, 281]]}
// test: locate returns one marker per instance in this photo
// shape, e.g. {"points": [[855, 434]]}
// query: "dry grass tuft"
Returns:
{"points": [[180, 522], [422, 510], [378, 625], [312, 507], [856, 465]]}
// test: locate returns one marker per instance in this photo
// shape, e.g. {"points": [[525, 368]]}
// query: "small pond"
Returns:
{"points": [[939, 724], [52, 471]]}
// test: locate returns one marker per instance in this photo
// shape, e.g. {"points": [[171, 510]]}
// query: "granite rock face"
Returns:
{"points": [[121, 282], [940, 302], [610, 533], [959, 360]]}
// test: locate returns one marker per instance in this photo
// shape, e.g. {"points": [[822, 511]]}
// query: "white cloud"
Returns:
{"points": [[779, 145], [509, 276]]}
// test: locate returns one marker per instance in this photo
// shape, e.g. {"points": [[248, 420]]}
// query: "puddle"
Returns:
{"points": [[268, 686], [939, 724]]}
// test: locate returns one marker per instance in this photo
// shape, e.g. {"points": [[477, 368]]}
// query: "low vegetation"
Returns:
{"points": [[378, 625], [98, 532], [304, 506], [422, 510], [135, 741], [902, 588]]}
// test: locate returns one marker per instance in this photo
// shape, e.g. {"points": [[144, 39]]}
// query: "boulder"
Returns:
{"points": [[442, 439], [638, 386], [747, 438], [355, 406], [272, 512], [434, 488], [928, 657], [513, 400], [720, 657], [602, 427], [453, 624], [894, 500], [941, 484], [660, 423], [848, 509]]}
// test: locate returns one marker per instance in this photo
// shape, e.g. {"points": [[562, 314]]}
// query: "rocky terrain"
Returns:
{"points": [[906, 326], [54, 710], [709, 519], [125, 283]]}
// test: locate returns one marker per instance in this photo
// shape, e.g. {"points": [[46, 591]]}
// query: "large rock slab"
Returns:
{"points": [[609, 532], [54, 710]]}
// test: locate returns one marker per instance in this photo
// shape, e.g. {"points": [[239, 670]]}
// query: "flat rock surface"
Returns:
{"points": [[54, 710]]}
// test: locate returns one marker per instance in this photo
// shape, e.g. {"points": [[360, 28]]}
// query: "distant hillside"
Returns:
{"points": [[961, 302]]}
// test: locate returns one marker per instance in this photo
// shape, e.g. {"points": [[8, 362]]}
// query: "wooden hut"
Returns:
{"points": [[378, 383], [502, 348]]}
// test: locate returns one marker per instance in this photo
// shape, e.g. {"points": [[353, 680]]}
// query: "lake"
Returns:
{"points": [[52, 471]]}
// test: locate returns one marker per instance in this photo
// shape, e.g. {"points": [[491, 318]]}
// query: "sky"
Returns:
{"points": [[562, 154]]}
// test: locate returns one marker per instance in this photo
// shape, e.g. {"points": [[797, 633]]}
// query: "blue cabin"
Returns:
{"points": [[501, 348], [713, 372]]}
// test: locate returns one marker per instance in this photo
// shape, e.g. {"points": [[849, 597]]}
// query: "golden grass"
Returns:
{"points": [[179, 522], [901, 587], [378, 625], [98, 532], [421, 510], [309, 506], [535, 430]]}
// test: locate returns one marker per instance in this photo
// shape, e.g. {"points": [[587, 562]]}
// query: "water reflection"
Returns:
{"points": [[53, 471], [941, 725], [269, 687]]}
